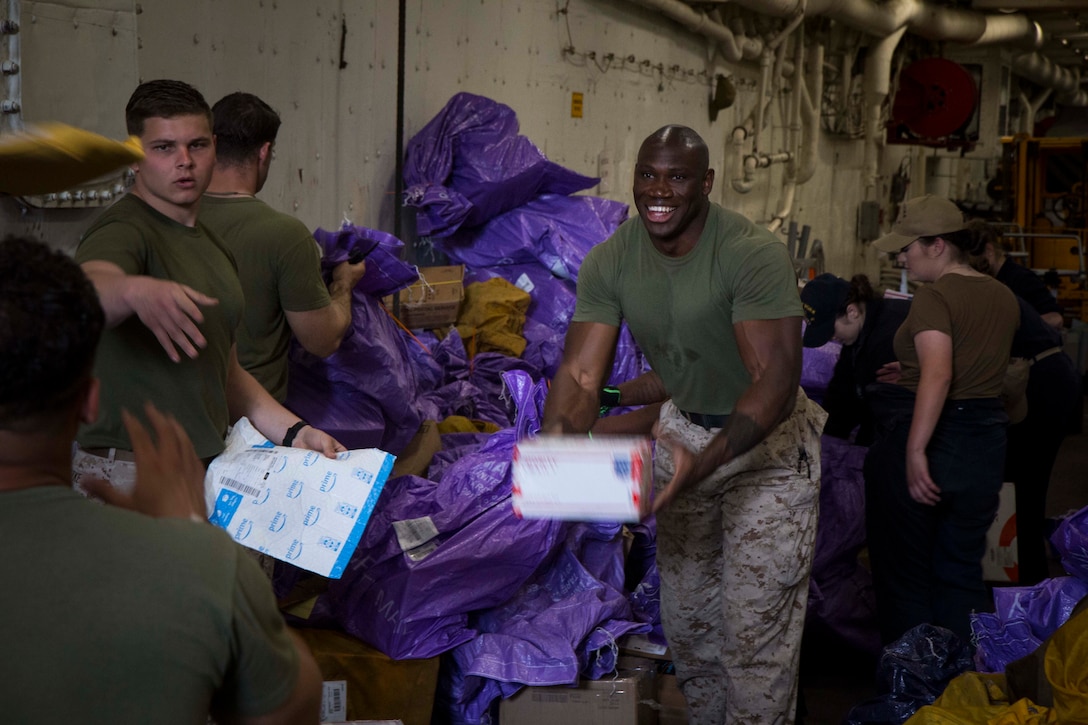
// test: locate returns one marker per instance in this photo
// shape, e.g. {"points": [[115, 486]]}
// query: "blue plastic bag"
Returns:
{"points": [[912, 672]]}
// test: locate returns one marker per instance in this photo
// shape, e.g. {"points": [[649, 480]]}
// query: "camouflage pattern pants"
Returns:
{"points": [[734, 554]]}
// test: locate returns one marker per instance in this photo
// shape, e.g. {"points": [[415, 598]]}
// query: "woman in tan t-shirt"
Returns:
{"points": [[933, 475]]}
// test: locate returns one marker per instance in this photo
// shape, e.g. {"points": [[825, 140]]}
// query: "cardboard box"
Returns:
{"points": [[674, 708], [669, 702], [433, 301], [625, 700], [577, 478], [371, 685], [1000, 563]]}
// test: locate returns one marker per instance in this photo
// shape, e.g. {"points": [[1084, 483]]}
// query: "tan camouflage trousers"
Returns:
{"points": [[734, 554]]}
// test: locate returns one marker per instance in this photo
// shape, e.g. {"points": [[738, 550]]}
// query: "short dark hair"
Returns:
{"points": [[242, 123], [50, 324], [163, 99]]}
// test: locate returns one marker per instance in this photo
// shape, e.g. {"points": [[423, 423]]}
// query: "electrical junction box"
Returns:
{"points": [[868, 221]]}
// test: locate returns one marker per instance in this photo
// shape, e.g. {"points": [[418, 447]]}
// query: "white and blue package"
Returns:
{"points": [[294, 505]]}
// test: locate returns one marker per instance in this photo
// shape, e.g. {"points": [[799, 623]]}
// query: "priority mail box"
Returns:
{"points": [[577, 478]]}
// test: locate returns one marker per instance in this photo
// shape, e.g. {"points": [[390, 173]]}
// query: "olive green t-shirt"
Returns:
{"points": [[279, 264], [980, 315], [113, 617], [130, 362], [681, 311]]}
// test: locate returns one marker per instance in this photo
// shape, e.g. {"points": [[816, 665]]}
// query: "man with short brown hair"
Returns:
{"points": [[279, 262], [172, 298]]}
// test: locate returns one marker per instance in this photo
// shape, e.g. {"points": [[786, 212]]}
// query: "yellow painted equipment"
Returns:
{"points": [[1045, 187]]}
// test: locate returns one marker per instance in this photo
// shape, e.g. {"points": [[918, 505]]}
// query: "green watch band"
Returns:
{"points": [[609, 398]]}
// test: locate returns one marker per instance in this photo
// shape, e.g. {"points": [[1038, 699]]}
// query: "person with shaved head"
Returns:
{"points": [[711, 299]]}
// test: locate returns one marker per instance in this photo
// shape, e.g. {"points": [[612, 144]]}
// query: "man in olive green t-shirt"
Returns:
{"points": [[146, 615], [172, 299], [711, 299], [278, 259]]}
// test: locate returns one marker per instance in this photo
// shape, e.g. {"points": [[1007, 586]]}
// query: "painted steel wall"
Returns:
{"points": [[330, 68]]}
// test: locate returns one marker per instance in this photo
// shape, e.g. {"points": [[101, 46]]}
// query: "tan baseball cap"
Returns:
{"points": [[923, 216]]}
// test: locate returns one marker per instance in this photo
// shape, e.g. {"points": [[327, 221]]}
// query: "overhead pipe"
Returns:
{"points": [[927, 20], [733, 45], [11, 103], [878, 64], [1031, 108], [810, 114], [1041, 71], [733, 49], [947, 24], [793, 134]]}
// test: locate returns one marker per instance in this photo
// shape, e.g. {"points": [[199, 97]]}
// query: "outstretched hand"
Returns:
{"points": [[172, 312], [169, 475]]}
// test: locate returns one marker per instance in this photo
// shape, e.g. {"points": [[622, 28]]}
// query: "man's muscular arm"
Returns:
{"points": [[771, 351], [573, 403], [645, 389]]}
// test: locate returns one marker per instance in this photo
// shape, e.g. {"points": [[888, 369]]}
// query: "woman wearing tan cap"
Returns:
{"points": [[935, 470]]}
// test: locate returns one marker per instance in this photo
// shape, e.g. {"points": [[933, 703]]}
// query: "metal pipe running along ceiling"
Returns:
{"points": [[927, 20]]}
